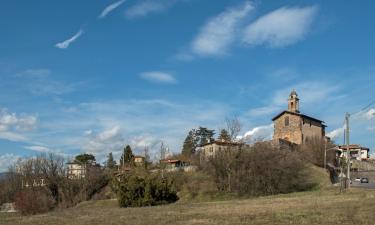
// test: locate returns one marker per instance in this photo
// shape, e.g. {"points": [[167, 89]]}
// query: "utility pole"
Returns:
{"points": [[347, 115]]}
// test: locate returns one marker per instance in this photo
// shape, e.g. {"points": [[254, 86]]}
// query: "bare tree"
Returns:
{"points": [[234, 127]]}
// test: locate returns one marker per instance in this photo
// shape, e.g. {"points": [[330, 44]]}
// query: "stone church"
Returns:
{"points": [[290, 125]]}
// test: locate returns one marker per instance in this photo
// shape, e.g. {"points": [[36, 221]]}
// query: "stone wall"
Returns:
{"points": [[292, 132], [311, 129]]}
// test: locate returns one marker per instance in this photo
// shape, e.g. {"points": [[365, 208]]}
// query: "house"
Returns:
{"points": [[295, 127], [210, 149], [78, 170], [357, 152], [139, 160], [176, 164]]}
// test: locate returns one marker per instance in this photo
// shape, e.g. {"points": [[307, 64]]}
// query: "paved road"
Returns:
{"points": [[363, 185]]}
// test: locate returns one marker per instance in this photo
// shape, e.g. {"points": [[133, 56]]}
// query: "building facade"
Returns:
{"points": [[210, 149], [297, 128], [357, 152]]}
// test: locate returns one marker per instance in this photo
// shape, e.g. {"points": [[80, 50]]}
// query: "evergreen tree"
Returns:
{"points": [[111, 163], [205, 135], [127, 156], [190, 144], [197, 138], [224, 135], [84, 158]]}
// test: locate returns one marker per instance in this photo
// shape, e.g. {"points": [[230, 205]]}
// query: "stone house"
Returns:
{"points": [[210, 149], [295, 127]]}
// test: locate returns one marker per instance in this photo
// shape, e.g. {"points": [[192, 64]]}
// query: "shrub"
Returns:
{"points": [[259, 170], [135, 190], [31, 201]]}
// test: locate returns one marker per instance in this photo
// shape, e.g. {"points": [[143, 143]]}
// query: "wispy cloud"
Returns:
{"points": [[219, 32], [65, 44], [38, 148], [310, 92], [39, 82], [7, 160], [13, 126], [110, 8], [145, 8], [280, 28], [158, 77]]}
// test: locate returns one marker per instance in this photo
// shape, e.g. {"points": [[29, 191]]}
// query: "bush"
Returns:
{"points": [[30, 202], [259, 170], [135, 190]]}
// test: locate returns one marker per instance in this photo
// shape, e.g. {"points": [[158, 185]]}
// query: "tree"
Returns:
{"points": [[146, 152], [127, 156], [234, 127], [190, 144], [224, 135], [111, 163], [84, 158], [205, 135]]}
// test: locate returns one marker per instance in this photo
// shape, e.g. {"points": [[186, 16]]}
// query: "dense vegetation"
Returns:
{"points": [[144, 189]]}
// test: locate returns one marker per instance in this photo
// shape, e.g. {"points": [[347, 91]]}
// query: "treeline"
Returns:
{"points": [[40, 184]]}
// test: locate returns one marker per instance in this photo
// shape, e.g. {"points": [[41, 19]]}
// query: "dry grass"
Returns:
{"points": [[318, 207]]}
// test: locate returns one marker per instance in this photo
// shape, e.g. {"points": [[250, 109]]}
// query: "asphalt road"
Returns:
{"points": [[363, 185]]}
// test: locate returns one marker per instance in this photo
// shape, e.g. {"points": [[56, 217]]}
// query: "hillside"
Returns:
{"points": [[318, 207]]}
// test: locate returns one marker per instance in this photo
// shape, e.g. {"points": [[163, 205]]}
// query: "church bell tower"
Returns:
{"points": [[293, 102]]}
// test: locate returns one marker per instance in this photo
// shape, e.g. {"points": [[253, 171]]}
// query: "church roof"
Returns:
{"points": [[293, 93], [298, 114]]}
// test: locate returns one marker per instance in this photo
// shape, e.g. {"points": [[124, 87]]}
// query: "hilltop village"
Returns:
{"points": [[205, 167]]}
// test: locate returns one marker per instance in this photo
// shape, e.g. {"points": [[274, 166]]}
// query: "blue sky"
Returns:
{"points": [[85, 76]]}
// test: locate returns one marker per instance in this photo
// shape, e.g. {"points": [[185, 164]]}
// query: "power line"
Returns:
{"points": [[373, 102], [363, 109]]}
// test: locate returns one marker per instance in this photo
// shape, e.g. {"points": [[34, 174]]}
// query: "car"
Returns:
{"points": [[364, 180], [358, 179]]}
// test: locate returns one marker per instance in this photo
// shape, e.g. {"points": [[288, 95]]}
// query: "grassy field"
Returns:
{"points": [[317, 207]]}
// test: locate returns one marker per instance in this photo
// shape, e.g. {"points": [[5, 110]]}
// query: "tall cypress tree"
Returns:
{"points": [[127, 156], [111, 163]]}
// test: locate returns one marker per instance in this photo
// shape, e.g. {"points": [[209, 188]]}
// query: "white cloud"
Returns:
{"points": [[219, 32], [260, 133], [12, 136], [280, 28], [65, 44], [12, 126], [158, 77], [360, 119], [310, 93], [110, 8], [101, 143], [145, 8], [7, 160], [38, 148], [370, 114], [265, 110], [336, 133], [109, 134]]}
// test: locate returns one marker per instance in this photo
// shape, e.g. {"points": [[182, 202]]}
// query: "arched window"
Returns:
{"points": [[287, 121]]}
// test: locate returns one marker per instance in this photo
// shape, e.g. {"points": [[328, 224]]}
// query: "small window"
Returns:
{"points": [[287, 121]]}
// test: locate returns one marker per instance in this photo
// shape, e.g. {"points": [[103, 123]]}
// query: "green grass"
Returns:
{"points": [[316, 207]]}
